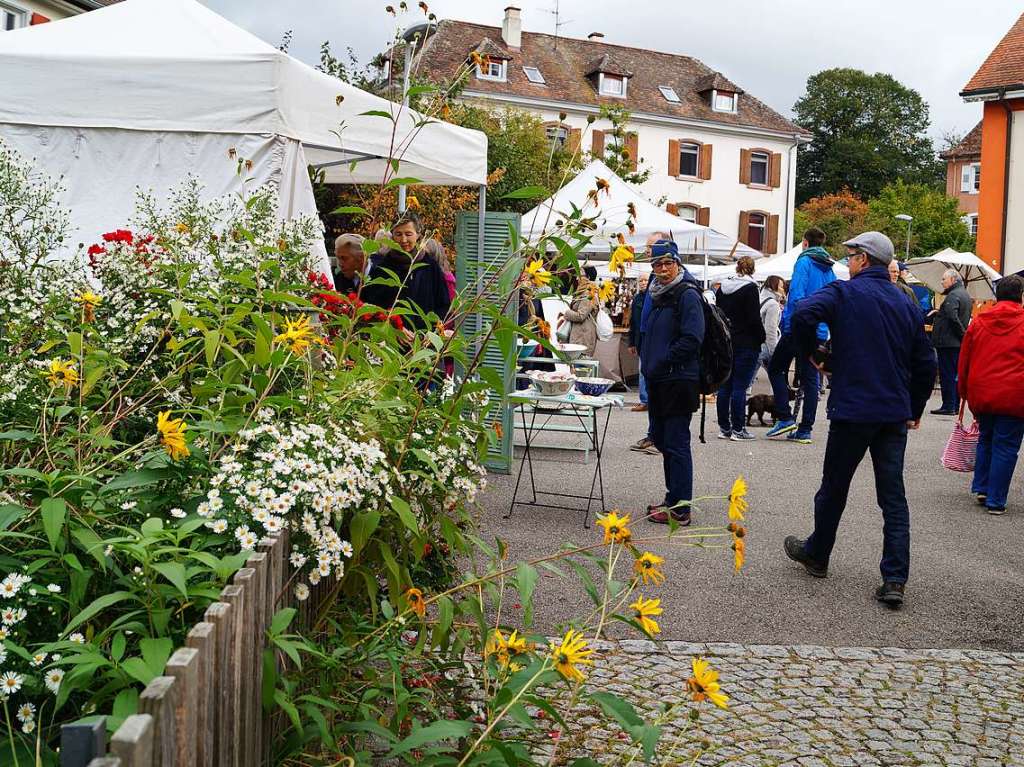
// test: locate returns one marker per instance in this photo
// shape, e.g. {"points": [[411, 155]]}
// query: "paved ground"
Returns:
{"points": [[967, 579]]}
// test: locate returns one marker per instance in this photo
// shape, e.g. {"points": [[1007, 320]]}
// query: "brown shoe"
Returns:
{"points": [[639, 408], [644, 446], [661, 517]]}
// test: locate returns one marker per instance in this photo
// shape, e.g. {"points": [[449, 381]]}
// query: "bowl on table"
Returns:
{"points": [[571, 351], [526, 347], [594, 387], [552, 384]]}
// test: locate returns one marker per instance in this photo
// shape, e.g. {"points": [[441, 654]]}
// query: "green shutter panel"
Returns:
{"points": [[472, 273]]}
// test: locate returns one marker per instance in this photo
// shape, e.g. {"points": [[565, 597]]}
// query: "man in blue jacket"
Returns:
{"points": [[812, 272], [883, 370], [670, 357]]}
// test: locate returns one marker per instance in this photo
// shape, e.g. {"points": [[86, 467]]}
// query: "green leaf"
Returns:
{"points": [[126, 703], [282, 620], [526, 580], [403, 181], [350, 210], [211, 344], [405, 514], [261, 350], [269, 677], [452, 729], [98, 605], [117, 646], [54, 512], [617, 708], [175, 573], [92, 378], [75, 344], [17, 435], [363, 525], [445, 616], [130, 479], [526, 193], [156, 652], [11, 513], [377, 113]]}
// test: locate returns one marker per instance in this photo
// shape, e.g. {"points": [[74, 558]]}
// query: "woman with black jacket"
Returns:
{"points": [[740, 300]]}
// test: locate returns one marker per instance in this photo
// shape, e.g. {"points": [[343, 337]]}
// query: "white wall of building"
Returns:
{"points": [[1014, 251]]}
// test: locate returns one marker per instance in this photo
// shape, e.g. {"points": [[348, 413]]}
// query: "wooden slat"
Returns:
{"points": [[132, 744], [183, 665], [230, 729], [203, 639], [158, 700], [260, 564], [105, 761], [243, 663]]}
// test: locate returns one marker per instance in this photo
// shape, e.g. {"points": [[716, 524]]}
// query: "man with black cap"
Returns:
{"points": [[882, 370]]}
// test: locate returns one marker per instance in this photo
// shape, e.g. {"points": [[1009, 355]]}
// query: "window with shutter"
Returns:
{"points": [[705, 162], [757, 225], [771, 240], [597, 144], [632, 150], [776, 171], [966, 180], [557, 133], [759, 162], [689, 159], [704, 216], [673, 157], [687, 212], [976, 181]]}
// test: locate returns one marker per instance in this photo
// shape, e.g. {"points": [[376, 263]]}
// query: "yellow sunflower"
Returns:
{"points": [[737, 499], [415, 599], [62, 374], [172, 435], [505, 649], [648, 567], [298, 335], [572, 652], [615, 527], [621, 256], [606, 292], [703, 685], [538, 275], [645, 609], [739, 549], [88, 301]]}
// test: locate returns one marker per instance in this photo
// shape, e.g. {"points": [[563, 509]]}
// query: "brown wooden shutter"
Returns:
{"points": [[705, 161], [672, 208], [771, 244], [673, 157], [572, 143], [744, 166], [704, 216], [776, 171], [632, 147], [597, 147], [744, 226], [38, 18]]}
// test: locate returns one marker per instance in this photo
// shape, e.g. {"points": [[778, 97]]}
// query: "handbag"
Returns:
{"points": [[962, 447], [563, 332], [605, 328]]}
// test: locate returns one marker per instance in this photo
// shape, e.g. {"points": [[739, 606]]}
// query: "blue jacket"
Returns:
{"points": [[636, 316], [674, 332], [883, 367], [812, 272]]}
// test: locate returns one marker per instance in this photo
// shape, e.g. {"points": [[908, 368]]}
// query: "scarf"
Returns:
{"points": [[661, 291]]}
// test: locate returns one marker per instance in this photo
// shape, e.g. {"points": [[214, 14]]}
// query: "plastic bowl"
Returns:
{"points": [[527, 347], [572, 351], [593, 387], [552, 388]]}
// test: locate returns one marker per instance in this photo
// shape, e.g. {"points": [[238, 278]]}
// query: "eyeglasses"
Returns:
{"points": [[665, 264]]}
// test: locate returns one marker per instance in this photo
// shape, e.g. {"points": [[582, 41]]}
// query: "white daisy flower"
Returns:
{"points": [[178, 513], [216, 504], [26, 711], [297, 559], [302, 592], [219, 526], [77, 638], [10, 683], [314, 577], [53, 588], [247, 541], [203, 509], [29, 726], [346, 548], [38, 659]]}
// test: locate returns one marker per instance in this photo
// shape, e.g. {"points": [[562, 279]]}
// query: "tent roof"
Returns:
{"points": [[782, 266], [976, 274], [175, 65], [612, 212]]}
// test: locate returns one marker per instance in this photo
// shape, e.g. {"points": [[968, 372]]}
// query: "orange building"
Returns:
{"points": [[999, 84]]}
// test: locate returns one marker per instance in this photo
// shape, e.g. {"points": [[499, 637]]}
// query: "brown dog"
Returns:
{"points": [[764, 403]]}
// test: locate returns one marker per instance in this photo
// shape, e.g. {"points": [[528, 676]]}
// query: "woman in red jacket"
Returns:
{"points": [[991, 380]]}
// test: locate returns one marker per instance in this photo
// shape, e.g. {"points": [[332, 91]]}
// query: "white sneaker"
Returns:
{"points": [[724, 434], [742, 436]]}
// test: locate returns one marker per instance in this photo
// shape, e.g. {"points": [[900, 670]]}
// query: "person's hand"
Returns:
{"points": [[632, 350], [819, 365], [914, 425]]}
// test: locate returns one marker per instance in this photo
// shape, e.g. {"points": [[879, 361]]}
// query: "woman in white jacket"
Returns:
{"points": [[773, 298]]}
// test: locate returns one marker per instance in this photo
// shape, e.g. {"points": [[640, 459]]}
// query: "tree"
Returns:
{"points": [[937, 219], [868, 130], [616, 147], [840, 216]]}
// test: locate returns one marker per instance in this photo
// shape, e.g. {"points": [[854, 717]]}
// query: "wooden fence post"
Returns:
{"points": [[158, 700], [132, 744], [81, 742], [221, 616], [183, 665], [232, 722], [245, 579], [260, 623], [202, 638]]}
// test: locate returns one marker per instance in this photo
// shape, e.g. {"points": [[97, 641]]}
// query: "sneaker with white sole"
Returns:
{"points": [[742, 436], [723, 434], [800, 436], [780, 428]]}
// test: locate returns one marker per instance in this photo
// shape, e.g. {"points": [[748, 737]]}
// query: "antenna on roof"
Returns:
{"points": [[558, 21]]}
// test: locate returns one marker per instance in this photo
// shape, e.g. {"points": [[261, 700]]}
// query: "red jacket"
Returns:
{"points": [[991, 375]]}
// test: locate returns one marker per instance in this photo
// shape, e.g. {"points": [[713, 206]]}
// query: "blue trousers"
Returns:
{"points": [[949, 359], [732, 395], [847, 444], [643, 387], [998, 446], [778, 372], [671, 435]]}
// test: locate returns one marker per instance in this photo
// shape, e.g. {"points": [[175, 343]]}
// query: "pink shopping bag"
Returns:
{"points": [[962, 446]]}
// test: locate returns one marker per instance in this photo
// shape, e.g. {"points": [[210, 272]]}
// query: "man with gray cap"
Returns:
{"points": [[350, 259], [883, 369]]}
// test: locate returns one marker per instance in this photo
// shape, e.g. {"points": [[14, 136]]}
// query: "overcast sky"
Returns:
{"points": [[768, 48]]}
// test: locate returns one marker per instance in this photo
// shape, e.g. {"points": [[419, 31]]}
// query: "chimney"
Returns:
{"points": [[512, 28], [595, 37]]}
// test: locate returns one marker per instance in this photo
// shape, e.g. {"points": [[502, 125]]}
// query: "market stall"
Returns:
{"points": [[976, 274]]}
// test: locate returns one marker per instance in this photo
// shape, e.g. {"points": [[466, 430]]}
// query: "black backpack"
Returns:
{"points": [[716, 350]]}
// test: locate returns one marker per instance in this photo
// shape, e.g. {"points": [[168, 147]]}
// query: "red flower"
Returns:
{"points": [[95, 250], [396, 322], [119, 235], [381, 316], [427, 548]]}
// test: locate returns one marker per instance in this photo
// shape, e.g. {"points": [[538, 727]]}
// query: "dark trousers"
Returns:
{"points": [[732, 395], [847, 444], [671, 435], [998, 447], [949, 359], [778, 372]]}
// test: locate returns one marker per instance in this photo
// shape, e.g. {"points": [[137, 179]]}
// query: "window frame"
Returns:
{"points": [[675, 96], [766, 184], [971, 219], [502, 77], [715, 93], [696, 163], [602, 91], [681, 206], [541, 81], [763, 226], [557, 126], [20, 15]]}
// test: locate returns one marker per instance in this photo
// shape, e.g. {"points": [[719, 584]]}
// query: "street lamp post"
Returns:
{"points": [[910, 222]]}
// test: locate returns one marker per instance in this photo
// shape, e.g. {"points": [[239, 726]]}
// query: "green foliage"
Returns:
{"points": [[937, 219], [841, 216], [867, 130], [616, 154]]}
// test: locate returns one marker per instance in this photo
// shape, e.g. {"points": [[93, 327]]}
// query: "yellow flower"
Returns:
{"points": [[648, 567], [505, 649], [703, 685], [88, 301], [572, 652], [739, 549], [621, 256], [62, 374], [415, 599], [411, 203], [538, 275], [181, 228], [615, 527], [645, 608], [172, 435], [606, 292], [737, 501], [298, 335]]}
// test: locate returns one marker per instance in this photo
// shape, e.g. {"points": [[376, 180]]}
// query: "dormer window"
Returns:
{"points": [[612, 85], [533, 75], [492, 70], [669, 94], [723, 101]]}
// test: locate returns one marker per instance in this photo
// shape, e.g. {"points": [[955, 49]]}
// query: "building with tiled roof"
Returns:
{"points": [[963, 175], [718, 155], [15, 14], [999, 85]]}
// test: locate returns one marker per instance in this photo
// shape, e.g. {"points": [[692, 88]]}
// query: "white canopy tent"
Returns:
{"points": [[145, 92], [612, 212], [976, 274], [782, 266]]}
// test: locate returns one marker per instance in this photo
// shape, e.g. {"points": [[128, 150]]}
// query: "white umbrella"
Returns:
{"points": [[976, 274]]}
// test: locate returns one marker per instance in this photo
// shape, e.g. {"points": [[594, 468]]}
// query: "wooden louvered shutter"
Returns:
{"points": [[672, 208], [744, 227], [705, 161], [632, 147], [573, 142], [673, 157], [771, 243], [776, 171], [704, 216], [744, 166], [597, 147]]}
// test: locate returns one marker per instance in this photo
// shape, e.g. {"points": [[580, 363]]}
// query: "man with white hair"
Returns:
{"points": [[350, 260], [949, 324]]}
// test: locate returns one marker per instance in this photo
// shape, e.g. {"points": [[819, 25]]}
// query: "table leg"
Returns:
{"points": [[523, 463]]}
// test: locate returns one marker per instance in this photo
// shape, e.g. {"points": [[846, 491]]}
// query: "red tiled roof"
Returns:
{"points": [[969, 146], [565, 63], [1004, 67]]}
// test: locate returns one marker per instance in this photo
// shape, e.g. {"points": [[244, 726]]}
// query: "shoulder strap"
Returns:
{"points": [[770, 298]]}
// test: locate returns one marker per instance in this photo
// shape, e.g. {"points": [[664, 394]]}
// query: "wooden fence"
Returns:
{"points": [[206, 710]]}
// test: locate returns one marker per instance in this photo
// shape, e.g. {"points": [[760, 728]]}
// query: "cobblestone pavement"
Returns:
{"points": [[811, 706]]}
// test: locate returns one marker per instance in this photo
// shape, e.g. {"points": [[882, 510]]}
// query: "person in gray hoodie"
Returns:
{"points": [[773, 298], [739, 298]]}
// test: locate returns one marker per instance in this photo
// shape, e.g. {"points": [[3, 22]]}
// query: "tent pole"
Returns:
{"points": [[705, 260], [409, 46], [481, 222]]}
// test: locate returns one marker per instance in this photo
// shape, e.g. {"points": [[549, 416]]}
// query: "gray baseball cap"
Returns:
{"points": [[875, 244]]}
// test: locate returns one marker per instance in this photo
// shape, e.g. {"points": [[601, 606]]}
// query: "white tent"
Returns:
{"points": [[611, 211], [976, 274], [782, 266], [144, 92]]}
